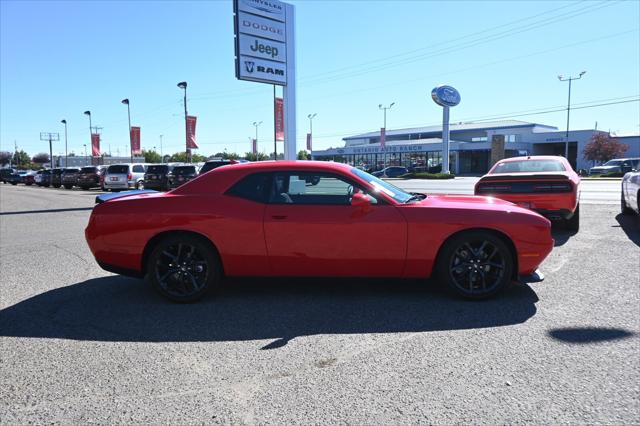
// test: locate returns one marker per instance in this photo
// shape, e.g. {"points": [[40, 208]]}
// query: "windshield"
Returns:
{"points": [[381, 186], [184, 170], [614, 163], [118, 169], [529, 166], [158, 169]]}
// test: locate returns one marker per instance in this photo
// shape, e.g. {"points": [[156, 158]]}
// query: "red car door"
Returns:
{"points": [[311, 229]]}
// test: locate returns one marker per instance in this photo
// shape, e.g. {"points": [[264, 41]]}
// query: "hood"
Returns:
{"points": [[467, 199]]}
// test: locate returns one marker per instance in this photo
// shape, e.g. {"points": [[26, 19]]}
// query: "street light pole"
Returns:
{"points": [[126, 102], [161, 156], [183, 85], [569, 79], [256, 124], [90, 135], [385, 127], [66, 153], [85, 154]]}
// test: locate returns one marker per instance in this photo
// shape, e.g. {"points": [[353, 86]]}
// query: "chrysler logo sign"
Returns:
{"points": [[268, 8]]}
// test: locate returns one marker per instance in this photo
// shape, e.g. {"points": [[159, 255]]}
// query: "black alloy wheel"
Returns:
{"points": [[475, 264], [183, 268]]}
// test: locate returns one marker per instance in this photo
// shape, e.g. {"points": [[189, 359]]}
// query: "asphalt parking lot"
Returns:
{"points": [[80, 345]]}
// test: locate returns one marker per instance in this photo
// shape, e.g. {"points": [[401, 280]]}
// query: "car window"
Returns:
{"points": [[253, 187], [138, 169], [210, 165], [613, 163], [158, 169], [118, 168], [184, 170], [529, 166], [312, 188], [88, 170]]}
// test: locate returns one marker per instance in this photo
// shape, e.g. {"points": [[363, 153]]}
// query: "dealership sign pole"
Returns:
{"points": [[265, 53], [446, 97]]}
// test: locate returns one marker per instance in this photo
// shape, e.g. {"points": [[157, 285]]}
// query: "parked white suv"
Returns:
{"points": [[124, 176]]}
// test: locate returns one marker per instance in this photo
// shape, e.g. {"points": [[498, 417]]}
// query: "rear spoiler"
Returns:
{"points": [[106, 197], [521, 176]]}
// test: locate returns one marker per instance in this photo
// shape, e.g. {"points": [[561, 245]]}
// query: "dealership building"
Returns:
{"points": [[471, 146]]}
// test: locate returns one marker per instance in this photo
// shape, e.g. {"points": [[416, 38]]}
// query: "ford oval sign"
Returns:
{"points": [[445, 96]]}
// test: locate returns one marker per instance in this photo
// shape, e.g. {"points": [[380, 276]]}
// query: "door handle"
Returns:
{"points": [[279, 217]]}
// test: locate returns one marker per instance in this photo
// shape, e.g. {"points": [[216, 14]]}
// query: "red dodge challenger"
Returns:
{"points": [[546, 184], [313, 219]]}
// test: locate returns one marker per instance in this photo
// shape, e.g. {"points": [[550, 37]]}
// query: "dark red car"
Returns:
{"points": [[265, 219], [546, 184]]}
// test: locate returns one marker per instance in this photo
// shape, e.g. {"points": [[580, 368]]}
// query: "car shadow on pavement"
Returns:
{"points": [[116, 308], [630, 224], [582, 335], [561, 235]]}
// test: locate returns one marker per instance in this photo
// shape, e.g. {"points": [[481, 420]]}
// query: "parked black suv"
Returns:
{"points": [[89, 177], [56, 177], [157, 177], [182, 174], [70, 177], [45, 180], [213, 164], [5, 173]]}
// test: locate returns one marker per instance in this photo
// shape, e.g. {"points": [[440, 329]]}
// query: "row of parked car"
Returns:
{"points": [[115, 177]]}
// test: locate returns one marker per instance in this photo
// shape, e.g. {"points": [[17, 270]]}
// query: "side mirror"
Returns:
{"points": [[361, 200]]}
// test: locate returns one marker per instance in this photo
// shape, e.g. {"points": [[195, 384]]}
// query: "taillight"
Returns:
{"points": [[130, 177], [493, 188], [552, 187]]}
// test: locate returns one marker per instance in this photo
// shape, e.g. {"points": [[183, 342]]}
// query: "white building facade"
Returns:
{"points": [[470, 147]]}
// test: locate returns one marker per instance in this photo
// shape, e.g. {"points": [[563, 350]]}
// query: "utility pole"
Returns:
{"points": [[161, 156], [256, 124], [126, 102], [183, 85], [569, 79], [66, 153], [385, 128], [15, 147], [51, 137]]}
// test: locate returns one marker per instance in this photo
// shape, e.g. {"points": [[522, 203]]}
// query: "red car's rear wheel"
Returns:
{"points": [[183, 268], [476, 264]]}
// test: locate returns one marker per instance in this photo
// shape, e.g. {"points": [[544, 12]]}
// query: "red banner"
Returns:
{"points": [[254, 146], [191, 132], [134, 137], [279, 119], [382, 135], [95, 144], [309, 142]]}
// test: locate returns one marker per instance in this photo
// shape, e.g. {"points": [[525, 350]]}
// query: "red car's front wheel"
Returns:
{"points": [[183, 268], [475, 264]]}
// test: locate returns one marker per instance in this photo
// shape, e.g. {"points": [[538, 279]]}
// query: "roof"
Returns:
{"points": [[455, 127]]}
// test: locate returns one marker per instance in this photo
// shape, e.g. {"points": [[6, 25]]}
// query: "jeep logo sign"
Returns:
{"points": [[262, 48], [445, 96]]}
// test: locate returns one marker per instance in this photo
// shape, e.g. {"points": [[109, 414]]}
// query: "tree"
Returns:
{"points": [[21, 158], [224, 155], [303, 154], [602, 147], [41, 158], [280, 156], [181, 157], [5, 158], [252, 157], [151, 156]]}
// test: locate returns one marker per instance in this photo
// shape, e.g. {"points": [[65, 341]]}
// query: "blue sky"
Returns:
{"points": [[60, 58]]}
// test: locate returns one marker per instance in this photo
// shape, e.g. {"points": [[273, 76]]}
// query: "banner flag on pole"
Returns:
{"points": [[279, 119], [95, 144], [254, 146], [382, 135], [134, 136], [309, 142], [191, 132]]}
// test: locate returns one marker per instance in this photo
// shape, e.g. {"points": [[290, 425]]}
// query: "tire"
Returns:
{"points": [[488, 261], [183, 268], [573, 224], [68, 186], [624, 209], [14, 183], [140, 185]]}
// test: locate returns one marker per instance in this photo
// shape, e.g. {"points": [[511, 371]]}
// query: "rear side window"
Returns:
{"points": [[138, 169], [157, 169], [118, 169], [184, 170], [253, 187]]}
